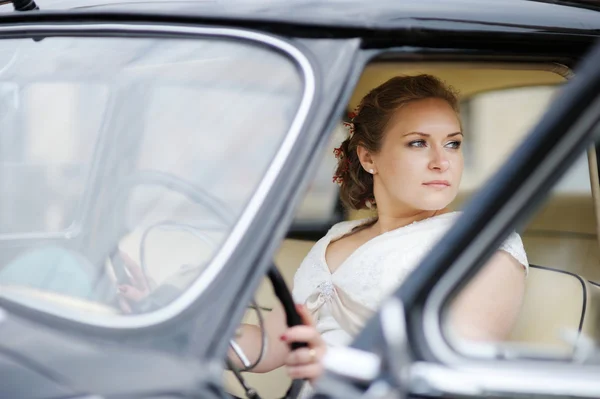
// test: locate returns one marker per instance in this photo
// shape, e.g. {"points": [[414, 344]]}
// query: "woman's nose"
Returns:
{"points": [[439, 160]]}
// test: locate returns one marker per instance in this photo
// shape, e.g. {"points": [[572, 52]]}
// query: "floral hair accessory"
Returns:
{"points": [[350, 125], [339, 152], [345, 165]]}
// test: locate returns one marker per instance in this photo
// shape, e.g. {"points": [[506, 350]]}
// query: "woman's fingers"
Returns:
{"points": [[305, 315], [303, 356], [137, 275], [132, 293], [309, 371], [304, 333], [307, 334], [305, 363]]}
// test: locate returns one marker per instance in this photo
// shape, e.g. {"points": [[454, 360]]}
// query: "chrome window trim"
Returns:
{"points": [[489, 380], [190, 295]]}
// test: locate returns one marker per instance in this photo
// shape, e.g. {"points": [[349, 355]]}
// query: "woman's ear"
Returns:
{"points": [[366, 160]]}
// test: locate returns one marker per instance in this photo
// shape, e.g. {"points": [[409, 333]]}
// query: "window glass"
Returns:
{"points": [[127, 162], [557, 299], [495, 123], [47, 155], [322, 197], [559, 241]]}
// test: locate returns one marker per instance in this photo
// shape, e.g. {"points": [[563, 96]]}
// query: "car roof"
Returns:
{"points": [[485, 15]]}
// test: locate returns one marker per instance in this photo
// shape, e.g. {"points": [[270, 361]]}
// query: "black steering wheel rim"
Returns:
{"points": [[292, 319]]}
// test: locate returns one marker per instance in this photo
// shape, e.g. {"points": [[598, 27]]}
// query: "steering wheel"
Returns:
{"points": [[292, 319], [177, 184], [197, 195]]}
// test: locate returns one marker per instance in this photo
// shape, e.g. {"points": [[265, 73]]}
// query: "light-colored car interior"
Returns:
{"points": [[562, 236], [561, 239]]}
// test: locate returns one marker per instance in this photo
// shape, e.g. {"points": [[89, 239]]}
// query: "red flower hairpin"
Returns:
{"points": [[350, 125], [338, 152], [344, 167]]}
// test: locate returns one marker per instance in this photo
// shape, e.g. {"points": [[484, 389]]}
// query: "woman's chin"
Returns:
{"points": [[437, 203]]}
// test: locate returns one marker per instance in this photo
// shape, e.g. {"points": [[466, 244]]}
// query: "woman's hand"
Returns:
{"points": [[305, 363], [139, 287]]}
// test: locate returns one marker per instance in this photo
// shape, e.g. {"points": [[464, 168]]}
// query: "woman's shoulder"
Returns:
{"points": [[513, 244]]}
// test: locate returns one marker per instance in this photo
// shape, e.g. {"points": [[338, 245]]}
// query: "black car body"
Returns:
{"points": [[176, 347]]}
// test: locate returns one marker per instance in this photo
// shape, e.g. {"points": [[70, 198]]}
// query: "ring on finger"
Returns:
{"points": [[313, 355]]}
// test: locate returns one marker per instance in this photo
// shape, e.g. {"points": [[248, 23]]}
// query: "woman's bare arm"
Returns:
{"points": [[250, 340], [487, 309]]}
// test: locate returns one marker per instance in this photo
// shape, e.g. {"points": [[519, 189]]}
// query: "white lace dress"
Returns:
{"points": [[342, 302]]}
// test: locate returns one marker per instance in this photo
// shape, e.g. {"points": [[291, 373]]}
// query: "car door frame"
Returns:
{"points": [[482, 53], [199, 330], [566, 131]]}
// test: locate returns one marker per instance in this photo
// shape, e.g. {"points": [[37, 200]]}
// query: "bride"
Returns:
{"points": [[403, 159]]}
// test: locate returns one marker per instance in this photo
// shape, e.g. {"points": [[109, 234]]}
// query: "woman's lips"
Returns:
{"points": [[437, 184]]}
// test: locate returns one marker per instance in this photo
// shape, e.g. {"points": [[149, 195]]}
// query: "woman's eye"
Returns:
{"points": [[454, 144], [418, 144]]}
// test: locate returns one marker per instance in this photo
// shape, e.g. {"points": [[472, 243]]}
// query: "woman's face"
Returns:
{"points": [[420, 162]]}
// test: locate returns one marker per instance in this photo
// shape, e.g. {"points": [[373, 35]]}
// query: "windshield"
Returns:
{"points": [[125, 163]]}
